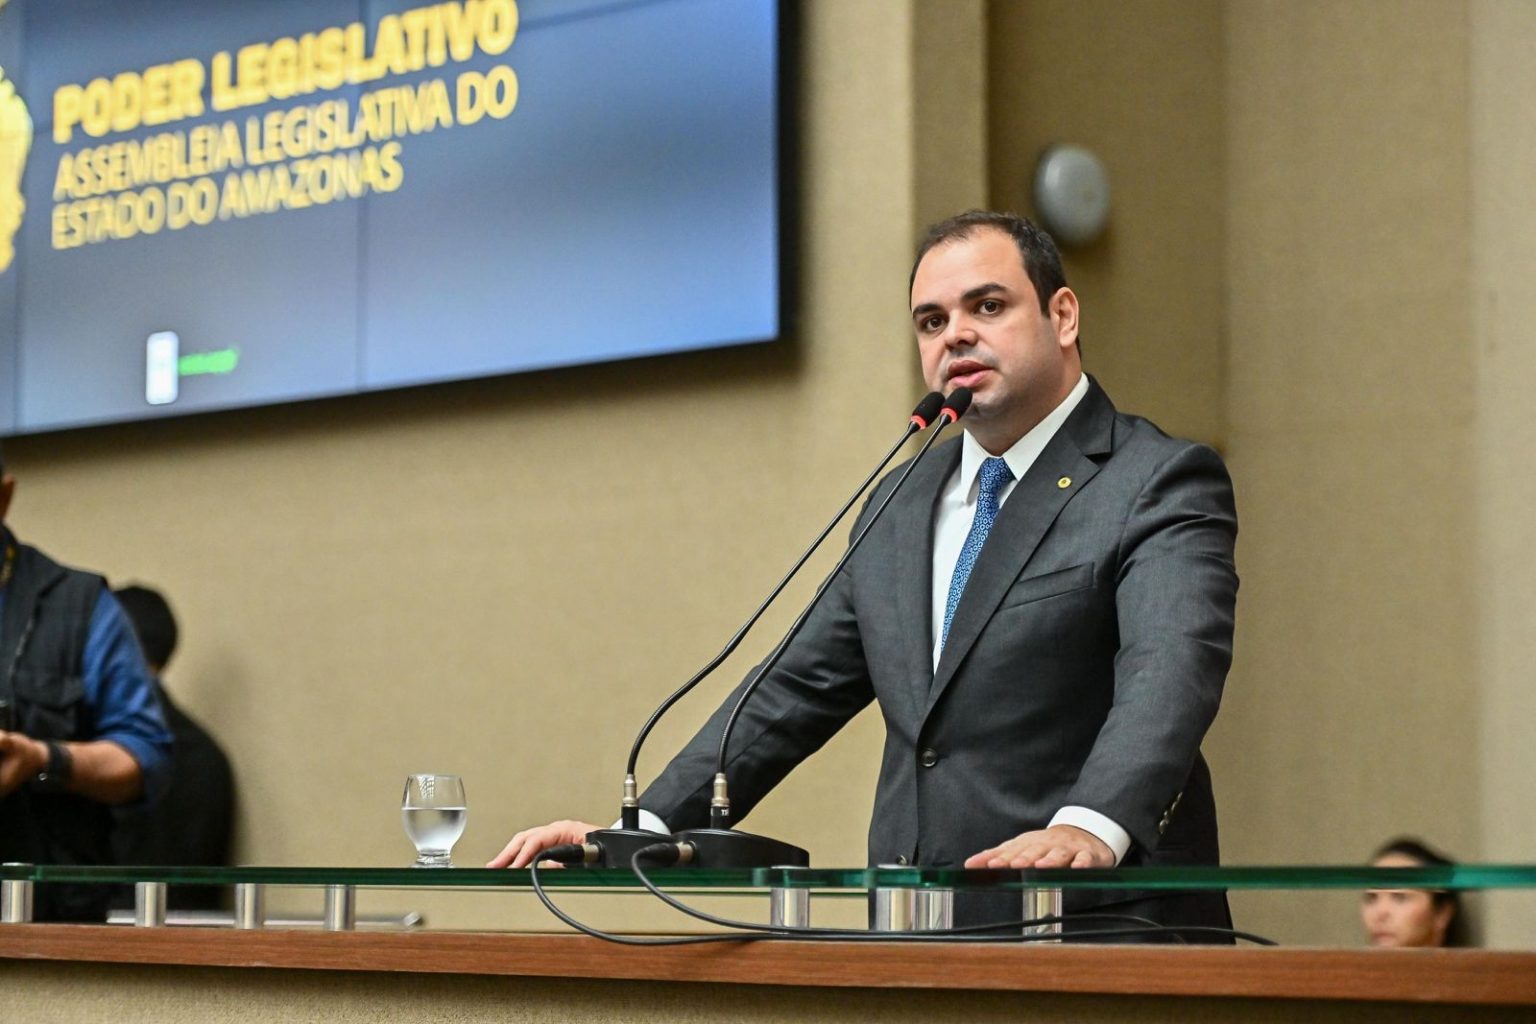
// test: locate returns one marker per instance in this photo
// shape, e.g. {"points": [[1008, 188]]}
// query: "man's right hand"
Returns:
{"points": [[530, 842]]}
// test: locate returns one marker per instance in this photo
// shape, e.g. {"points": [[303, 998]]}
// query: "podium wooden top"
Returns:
{"points": [[1449, 977]]}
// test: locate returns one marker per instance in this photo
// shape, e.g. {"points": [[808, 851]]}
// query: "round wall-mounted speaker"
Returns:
{"points": [[1071, 194]]}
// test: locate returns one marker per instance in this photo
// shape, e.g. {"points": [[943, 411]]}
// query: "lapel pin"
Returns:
{"points": [[1064, 482]]}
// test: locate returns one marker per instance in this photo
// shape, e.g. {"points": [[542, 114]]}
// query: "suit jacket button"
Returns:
{"points": [[929, 758]]}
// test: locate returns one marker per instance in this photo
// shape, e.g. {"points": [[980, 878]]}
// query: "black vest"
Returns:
{"points": [[48, 612]]}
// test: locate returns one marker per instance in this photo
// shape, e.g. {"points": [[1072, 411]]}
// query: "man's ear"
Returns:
{"points": [[1063, 312], [7, 491]]}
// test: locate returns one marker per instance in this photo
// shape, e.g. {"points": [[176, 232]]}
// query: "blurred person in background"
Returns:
{"points": [[80, 727], [1412, 917], [190, 825]]}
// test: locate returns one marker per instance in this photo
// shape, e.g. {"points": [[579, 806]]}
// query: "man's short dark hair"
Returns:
{"points": [[152, 622], [1042, 261], [2, 460]]}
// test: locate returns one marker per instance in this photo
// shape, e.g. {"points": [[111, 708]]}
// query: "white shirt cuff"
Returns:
{"points": [[649, 822], [1094, 823]]}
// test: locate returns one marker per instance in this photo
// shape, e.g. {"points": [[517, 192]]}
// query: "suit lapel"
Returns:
{"points": [[1022, 523], [913, 564]]}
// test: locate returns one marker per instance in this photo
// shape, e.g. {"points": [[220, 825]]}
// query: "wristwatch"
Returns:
{"points": [[54, 778]]}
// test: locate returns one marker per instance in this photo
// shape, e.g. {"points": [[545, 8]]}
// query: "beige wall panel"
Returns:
{"points": [[1141, 85], [1355, 694], [502, 578], [1349, 224], [950, 46], [1359, 719], [1351, 704], [1503, 302]]}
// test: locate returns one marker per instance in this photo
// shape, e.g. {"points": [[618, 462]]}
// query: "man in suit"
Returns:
{"points": [[1044, 613]]}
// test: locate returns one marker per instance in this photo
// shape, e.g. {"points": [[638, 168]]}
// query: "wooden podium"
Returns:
{"points": [[128, 975]]}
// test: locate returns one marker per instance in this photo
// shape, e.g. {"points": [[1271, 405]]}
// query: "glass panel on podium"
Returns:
{"points": [[918, 898]]}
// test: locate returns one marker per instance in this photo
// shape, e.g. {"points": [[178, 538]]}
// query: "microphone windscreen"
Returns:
{"points": [[958, 401], [927, 409]]}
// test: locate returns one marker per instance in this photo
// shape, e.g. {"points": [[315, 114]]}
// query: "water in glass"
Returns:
{"points": [[434, 813]]}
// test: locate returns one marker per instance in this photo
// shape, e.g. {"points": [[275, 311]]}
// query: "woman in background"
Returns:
{"points": [[1412, 917]]}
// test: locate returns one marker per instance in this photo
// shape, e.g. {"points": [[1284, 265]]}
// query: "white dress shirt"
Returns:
{"points": [[952, 522]]}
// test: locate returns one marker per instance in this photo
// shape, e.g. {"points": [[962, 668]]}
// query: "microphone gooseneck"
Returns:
{"points": [[951, 410], [932, 405]]}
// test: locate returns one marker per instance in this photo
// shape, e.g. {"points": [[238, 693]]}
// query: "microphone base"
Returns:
{"points": [[728, 848], [618, 845]]}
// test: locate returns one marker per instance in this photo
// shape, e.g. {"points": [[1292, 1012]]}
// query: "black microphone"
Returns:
{"points": [[719, 845], [617, 845], [956, 404], [931, 405]]}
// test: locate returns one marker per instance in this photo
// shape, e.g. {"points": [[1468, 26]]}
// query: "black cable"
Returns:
{"points": [[753, 932], [626, 940], [961, 933], [676, 904], [1162, 929]]}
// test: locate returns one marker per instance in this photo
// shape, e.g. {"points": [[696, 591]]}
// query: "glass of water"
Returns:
{"points": [[434, 813]]}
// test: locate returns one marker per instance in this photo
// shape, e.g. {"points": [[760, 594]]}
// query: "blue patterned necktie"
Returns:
{"points": [[994, 475]]}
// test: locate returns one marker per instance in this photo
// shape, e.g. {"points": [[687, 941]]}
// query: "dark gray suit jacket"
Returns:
{"points": [[1084, 664]]}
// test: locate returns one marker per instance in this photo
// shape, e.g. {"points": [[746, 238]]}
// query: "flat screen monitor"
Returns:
{"points": [[217, 205]]}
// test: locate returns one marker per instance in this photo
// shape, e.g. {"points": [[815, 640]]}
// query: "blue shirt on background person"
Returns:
{"points": [[81, 727], [120, 692]]}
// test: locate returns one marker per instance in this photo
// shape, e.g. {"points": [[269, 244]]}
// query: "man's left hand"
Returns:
{"points": [[1060, 846], [21, 757]]}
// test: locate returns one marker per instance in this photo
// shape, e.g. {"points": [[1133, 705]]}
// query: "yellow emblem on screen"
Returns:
{"points": [[15, 143]]}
